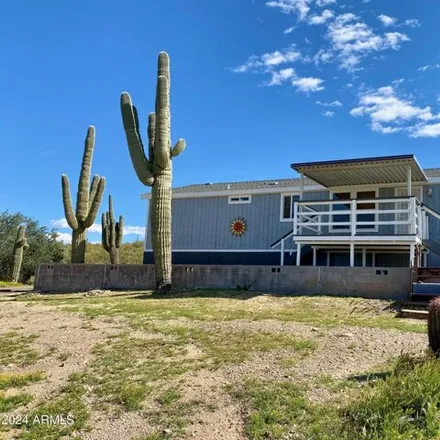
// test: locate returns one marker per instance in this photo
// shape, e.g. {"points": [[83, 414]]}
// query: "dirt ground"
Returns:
{"points": [[69, 339]]}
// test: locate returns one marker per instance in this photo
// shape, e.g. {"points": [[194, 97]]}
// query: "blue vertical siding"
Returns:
{"points": [[433, 201], [204, 223]]}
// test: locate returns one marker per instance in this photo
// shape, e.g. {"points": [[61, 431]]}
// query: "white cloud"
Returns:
{"points": [[413, 22], [95, 228], [300, 7], [386, 20], [353, 40], [380, 128], [426, 130], [428, 67], [328, 114], [322, 3], [289, 30], [321, 19], [268, 60], [64, 237], [307, 85], [134, 230], [279, 77], [390, 113], [323, 56], [62, 224], [384, 106], [330, 104]]}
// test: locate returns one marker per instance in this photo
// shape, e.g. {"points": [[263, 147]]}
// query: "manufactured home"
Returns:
{"points": [[366, 212]]}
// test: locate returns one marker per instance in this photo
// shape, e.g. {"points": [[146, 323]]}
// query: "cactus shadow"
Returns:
{"points": [[205, 293]]}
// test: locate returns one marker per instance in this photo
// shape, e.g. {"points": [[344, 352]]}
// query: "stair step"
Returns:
{"points": [[415, 314]]}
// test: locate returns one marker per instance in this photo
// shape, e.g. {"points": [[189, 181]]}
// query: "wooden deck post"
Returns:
{"points": [[364, 257], [411, 254], [353, 217], [408, 180], [351, 254], [314, 256], [298, 254]]}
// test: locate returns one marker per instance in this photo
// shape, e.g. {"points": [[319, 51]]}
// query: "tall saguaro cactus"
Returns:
{"points": [[156, 169], [87, 200], [112, 232], [20, 246]]}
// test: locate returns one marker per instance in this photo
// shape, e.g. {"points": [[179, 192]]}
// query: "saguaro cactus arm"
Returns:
{"points": [[82, 198], [141, 164], [119, 231], [94, 187], [105, 232], [162, 154], [178, 148], [67, 202], [151, 135], [94, 207]]}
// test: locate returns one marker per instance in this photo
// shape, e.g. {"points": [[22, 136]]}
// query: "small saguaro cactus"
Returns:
{"points": [[87, 200], [112, 232], [155, 170], [20, 246], [434, 326]]}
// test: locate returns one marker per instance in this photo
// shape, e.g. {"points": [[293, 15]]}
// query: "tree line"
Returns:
{"points": [[43, 247]]}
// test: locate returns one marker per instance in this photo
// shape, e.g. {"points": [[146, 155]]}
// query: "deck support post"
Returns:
{"points": [[364, 257], [328, 259], [351, 254], [408, 180], [412, 252], [314, 256], [301, 186], [353, 217], [298, 254]]}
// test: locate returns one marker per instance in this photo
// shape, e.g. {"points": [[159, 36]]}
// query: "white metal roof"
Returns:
{"points": [[364, 171]]}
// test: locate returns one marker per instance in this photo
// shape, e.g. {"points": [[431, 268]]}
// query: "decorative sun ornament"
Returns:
{"points": [[238, 227]]}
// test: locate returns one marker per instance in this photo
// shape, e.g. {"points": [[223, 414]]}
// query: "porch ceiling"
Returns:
{"points": [[364, 171]]}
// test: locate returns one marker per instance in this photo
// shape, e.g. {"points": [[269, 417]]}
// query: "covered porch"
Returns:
{"points": [[355, 218]]}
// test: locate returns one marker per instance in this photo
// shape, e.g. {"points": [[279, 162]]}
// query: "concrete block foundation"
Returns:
{"points": [[385, 283]]}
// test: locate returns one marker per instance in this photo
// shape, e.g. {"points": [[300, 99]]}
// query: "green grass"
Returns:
{"points": [[224, 346], [18, 380], [403, 404], [12, 402], [69, 403], [169, 396], [232, 305], [10, 284], [16, 350], [277, 409]]}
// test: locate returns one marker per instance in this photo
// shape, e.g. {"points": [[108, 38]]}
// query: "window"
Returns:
{"points": [[366, 217], [239, 199], [287, 206], [343, 218]]}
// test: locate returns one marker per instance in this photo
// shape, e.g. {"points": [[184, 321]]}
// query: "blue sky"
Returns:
{"points": [[256, 85]]}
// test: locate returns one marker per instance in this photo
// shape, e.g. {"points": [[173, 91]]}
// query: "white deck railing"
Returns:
{"points": [[391, 216]]}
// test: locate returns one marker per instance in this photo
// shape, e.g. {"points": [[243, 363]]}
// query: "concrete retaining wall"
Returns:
{"points": [[391, 283]]}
